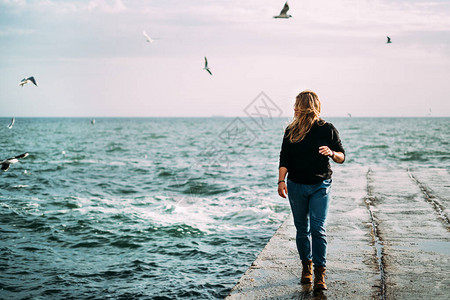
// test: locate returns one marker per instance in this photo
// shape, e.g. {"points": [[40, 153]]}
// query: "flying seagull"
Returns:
{"points": [[283, 14], [12, 123], [206, 66], [388, 40], [12, 160], [25, 80], [148, 38]]}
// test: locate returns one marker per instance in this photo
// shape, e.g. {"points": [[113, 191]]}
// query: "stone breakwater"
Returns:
{"points": [[388, 238]]}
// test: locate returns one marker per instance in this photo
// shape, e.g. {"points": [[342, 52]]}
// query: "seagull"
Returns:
{"points": [[349, 115], [12, 123], [12, 160], [388, 40], [283, 14], [25, 80], [148, 38], [206, 66], [93, 121]]}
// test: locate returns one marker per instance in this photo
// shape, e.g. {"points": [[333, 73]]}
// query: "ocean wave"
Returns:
{"points": [[127, 190], [382, 146], [181, 230], [77, 158], [20, 186], [67, 202], [113, 149], [154, 136], [87, 244], [166, 173], [420, 156], [425, 156], [37, 225], [139, 170], [125, 242], [195, 186]]}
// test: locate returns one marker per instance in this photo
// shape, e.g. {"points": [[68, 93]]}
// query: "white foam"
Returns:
{"points": [[19, 186]]}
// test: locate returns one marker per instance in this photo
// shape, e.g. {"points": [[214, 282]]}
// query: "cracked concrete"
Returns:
{"points": [[415, 240]]}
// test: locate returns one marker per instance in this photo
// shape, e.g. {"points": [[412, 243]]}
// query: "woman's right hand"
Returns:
{"points": [[282, 189]]}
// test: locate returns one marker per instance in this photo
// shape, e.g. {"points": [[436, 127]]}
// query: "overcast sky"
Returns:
{"points": [[91, 59]]}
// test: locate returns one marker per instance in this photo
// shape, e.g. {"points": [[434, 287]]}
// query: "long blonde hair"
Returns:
{"points": [[308, 105]]}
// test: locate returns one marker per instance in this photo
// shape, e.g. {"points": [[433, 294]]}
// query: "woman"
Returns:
{"points": [[308, 144]]}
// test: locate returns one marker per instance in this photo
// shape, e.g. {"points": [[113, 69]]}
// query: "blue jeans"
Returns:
{"points": [[309, 204]]}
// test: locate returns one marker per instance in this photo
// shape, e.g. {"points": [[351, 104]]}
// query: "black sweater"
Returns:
{"points": [[303, 161]]}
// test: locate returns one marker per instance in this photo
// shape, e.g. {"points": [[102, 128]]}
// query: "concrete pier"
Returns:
{"points": [[388, 238]]}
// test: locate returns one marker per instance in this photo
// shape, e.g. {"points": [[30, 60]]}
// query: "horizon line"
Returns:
{"points": [[216, 116]]}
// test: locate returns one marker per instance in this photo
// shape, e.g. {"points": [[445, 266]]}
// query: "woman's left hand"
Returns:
{"points": [[324, 150]]}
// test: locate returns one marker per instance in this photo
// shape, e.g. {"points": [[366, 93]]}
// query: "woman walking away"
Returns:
{"points": [[308, 144]]}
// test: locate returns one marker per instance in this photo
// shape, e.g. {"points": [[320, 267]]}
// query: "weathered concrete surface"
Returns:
{"points": [[416, 241], [351, 267], [435, 185], [385, 241]]}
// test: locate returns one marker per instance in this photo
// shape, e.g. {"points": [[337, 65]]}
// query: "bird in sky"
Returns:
{"points": [[12, 123], [148, 38], [283, 14], [388, 40], [25, 81], [206, 66], [7, 162]]}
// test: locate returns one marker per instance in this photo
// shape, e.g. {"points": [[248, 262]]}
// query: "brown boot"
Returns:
{"points": [[306, 271], [319, 279]]}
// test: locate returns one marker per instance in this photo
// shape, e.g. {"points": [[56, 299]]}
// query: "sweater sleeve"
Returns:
{"points": [[336, 144], [283, 152]]}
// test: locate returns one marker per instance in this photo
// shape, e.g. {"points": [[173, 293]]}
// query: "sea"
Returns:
{"points": [[162, 208]]}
